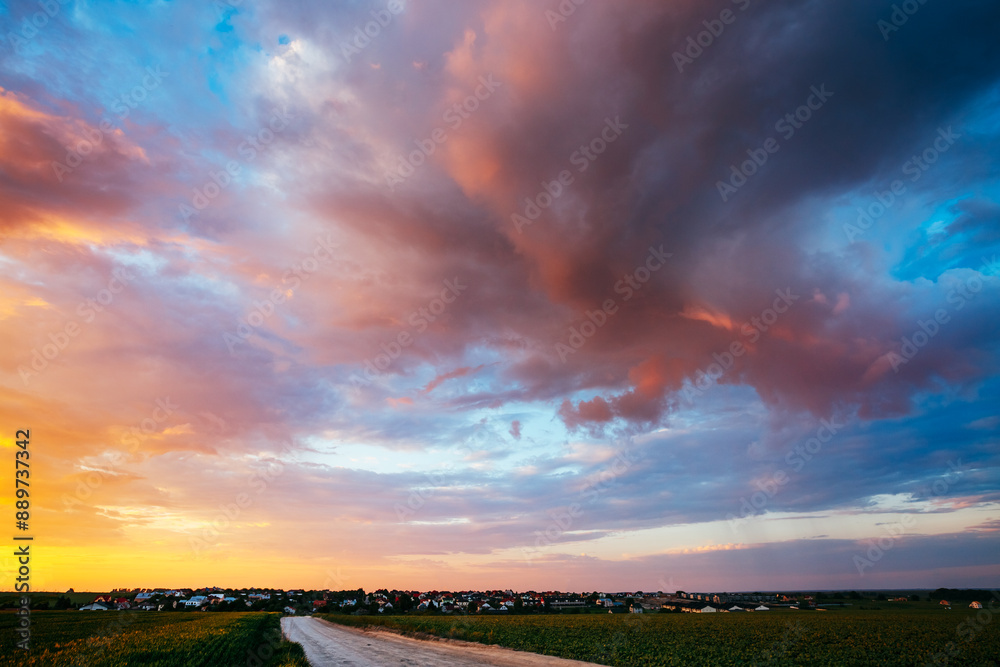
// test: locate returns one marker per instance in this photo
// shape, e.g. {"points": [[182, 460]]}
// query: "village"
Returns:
{"points": [[385, 601]]}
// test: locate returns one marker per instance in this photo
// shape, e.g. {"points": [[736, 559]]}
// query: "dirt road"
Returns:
{"points": [[330, 644]]}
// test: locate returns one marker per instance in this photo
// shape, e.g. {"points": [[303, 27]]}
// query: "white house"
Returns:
{"points": [[762, 608], [94, 606], [195, 601], [707, 609]]}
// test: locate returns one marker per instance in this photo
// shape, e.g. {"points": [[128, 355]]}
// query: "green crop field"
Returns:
{"points": [[98, 639], [903, 636]]}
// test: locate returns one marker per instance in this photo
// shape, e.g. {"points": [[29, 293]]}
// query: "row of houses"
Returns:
{"points": [[161, 598]]}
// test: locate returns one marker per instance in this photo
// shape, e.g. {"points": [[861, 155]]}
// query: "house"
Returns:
{"points": [[635, 609], [103, 598], [945, 603], [196, 601], [94, 606], [976, 605], [145, 595], [762, 608], [735, 608], [707, 609], [289, 610]]}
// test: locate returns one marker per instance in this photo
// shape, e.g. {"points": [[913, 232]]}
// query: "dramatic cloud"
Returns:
{"points": [[641, 291]]}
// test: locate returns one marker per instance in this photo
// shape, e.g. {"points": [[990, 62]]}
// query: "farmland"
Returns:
{"points": [[906, 636], [98, 639]]}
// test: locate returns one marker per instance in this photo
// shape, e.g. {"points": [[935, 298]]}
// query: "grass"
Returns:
{"points": [[113, 639], [900, 636]]}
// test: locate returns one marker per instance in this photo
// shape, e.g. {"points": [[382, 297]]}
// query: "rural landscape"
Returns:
{"points": [[522, 333], [162, 627]]}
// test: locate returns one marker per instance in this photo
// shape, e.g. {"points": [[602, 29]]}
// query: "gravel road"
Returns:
{"points": [[330, 644]]}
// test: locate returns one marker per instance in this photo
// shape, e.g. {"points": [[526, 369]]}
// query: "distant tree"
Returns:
{"points": [[518, 605], [63, 602]]}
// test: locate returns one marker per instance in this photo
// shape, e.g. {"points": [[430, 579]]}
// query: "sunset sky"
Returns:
{"points": [[530, 294]]}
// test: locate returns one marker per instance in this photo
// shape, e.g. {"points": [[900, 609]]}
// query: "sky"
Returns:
{"points": [[573, 295]]}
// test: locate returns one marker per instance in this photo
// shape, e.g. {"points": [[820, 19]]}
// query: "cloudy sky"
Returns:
{"points": [[642, 294]]}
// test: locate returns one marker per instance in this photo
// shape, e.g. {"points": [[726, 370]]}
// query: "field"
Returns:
{"points": [[97, 639], [917, 635]]}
